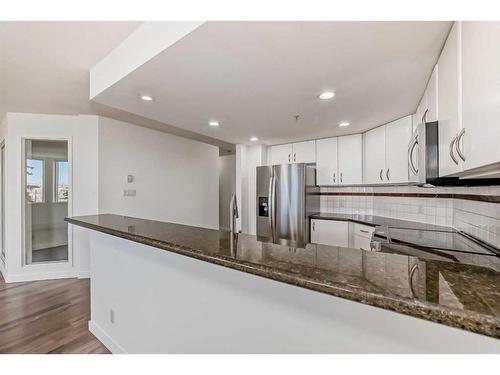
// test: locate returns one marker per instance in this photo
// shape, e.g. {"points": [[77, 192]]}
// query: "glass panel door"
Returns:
{"points": [[46, 201]]}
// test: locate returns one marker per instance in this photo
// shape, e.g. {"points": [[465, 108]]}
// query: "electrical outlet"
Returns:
{"points": [[112, 316], [129, 192], [130, 178]]}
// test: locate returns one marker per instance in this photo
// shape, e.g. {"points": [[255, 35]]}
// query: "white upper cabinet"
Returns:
{"points": [[397, 136], [385, 152], [304, 152], [350, 159], [480, 94], [374, 155], [326, 162], [300, 152], [280, 154], [428, 105], [431, 94], [450, 103]]}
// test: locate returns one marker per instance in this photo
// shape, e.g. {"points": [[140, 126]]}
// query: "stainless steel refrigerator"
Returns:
{"points": [[286, 196]]}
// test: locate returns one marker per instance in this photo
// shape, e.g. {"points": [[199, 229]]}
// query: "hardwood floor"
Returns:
{"points": [[46, 317]]}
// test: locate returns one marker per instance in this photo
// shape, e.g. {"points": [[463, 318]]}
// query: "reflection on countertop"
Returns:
{"points": [[421, 235], [463, 293]]}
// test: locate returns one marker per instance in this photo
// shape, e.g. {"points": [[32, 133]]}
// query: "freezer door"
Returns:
{"points": [[289, 204], [264, 185]]}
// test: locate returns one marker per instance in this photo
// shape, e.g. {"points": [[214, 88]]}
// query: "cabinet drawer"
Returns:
{"points": [[361, 243], [365, 231]]}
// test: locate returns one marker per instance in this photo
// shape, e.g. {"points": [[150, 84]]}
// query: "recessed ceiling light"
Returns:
{"points": [[254, 139], [214, 123], [344, 123], [326, 95], [146, 98]]}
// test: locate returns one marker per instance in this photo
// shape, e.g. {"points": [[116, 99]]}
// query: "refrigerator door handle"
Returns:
{"points": [[272, 205], [270, 208]]}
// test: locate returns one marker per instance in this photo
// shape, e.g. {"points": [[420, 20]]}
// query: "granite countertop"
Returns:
{"points": [[462, 293], [417, 234], [381, 221]]}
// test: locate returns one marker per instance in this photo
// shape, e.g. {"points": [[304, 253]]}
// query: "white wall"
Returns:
{"points": [[227, 186], [176, 179], [248, 158], [81, 132], [236, 312]]}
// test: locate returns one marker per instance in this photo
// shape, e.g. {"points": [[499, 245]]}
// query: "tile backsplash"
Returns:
{"points": [[481, 219]]}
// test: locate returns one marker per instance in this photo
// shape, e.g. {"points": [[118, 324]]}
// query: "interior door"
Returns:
{"points": [[326, 162], [290, 204]]}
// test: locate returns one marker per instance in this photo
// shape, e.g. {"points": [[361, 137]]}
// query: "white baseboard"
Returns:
{"points": [[23, 277], [3, 271], [84, 275], [105, 339]]}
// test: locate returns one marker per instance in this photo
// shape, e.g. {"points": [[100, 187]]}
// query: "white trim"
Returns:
{"points": [[84, 274], [22, 277], [69, 141], [3, 270], [105, 339]]}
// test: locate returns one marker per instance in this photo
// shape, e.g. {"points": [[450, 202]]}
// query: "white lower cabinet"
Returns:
{"points": [[341, 233], [330, 232]]}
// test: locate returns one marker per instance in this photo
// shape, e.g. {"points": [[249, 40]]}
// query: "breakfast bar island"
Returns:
{"points": [[160, 287]]}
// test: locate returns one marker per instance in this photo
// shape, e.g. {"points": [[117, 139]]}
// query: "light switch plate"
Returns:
{"points": [[129, 193], [130, 178]]}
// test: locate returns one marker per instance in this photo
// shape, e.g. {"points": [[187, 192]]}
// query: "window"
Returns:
{"points": [[61, 185], [34, 181]]}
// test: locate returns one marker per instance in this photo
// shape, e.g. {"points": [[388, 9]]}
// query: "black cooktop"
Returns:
{"points": [[439, 240]]}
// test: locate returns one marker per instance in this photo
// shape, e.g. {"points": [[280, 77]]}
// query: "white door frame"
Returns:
{"points": [[24, 254]]}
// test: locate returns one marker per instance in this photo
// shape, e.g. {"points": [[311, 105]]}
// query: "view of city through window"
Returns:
{"points": [[35, 181], [62, 186]]}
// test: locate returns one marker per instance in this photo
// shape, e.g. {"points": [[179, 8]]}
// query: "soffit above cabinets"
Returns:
{"points": [[255, 77]]}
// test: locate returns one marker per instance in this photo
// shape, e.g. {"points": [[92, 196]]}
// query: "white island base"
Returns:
{"points": [[147, 300]]}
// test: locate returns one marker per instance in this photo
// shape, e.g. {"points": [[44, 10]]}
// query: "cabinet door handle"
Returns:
{"points": [[314, 226], [294, 157], [457, 144], [387, 174], [340, 176], [380, 175], [424, 117], [451, 150], [333, 177], [289, 158], [363, 231]]}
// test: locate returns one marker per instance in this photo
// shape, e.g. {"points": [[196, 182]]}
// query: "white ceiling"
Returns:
{"points": [[254, 77], [44, 66]]}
